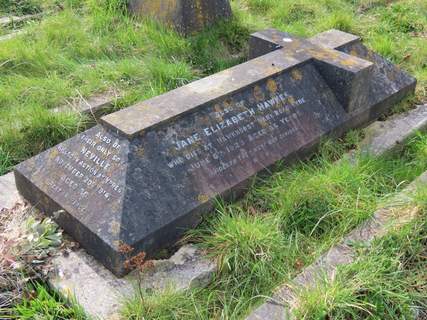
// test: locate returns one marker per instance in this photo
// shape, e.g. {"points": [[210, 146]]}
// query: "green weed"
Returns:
{"points": [[18, 7], [46, 305]]}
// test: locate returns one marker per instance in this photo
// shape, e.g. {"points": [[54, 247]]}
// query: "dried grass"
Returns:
{"points": [[26, 245]]}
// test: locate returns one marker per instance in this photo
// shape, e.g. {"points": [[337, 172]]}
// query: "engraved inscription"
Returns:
{"points": [[85, 173], [236, 131]]}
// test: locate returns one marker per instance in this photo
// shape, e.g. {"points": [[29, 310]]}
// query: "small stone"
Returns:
{"points": [[95, 106], [9, 195]]}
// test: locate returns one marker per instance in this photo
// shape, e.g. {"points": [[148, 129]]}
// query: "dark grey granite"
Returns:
{"points": [[186, 16], [147, 173]]}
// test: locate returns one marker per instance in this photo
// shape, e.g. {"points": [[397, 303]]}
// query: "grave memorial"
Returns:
{"points": [[147, 173], [186, 16]]}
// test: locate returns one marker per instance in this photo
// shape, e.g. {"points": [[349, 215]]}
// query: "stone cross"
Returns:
{"points": [[148, 173], [186, 16]]}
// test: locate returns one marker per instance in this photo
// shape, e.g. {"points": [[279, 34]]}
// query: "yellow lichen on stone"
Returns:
{"points": [[199, 13], [296, 75], [217, 108], [272, 86], [53, 154], [164, 10], [202, 198], [264, 124], [349, 62], [115, 206], [140, 152], [353, 52]]}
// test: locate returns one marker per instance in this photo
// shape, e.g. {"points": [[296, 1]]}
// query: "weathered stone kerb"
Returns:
{"points": [[147, 173]]}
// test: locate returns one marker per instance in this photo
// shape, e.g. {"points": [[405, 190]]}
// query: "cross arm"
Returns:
{"points": [[344, 73]]}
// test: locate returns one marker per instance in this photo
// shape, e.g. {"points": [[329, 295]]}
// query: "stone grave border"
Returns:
{"points": [[395, 213], [381, 137], [8, 20]]}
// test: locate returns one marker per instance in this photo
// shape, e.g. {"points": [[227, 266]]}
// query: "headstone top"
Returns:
{"points": [[186, 16]]}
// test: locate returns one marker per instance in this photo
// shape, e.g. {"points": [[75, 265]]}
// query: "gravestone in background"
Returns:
{"points": [[186, 16], [148, 172]]}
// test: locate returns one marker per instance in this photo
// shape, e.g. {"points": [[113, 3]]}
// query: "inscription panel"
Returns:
{"points": [[86, 174], [252, 129]]}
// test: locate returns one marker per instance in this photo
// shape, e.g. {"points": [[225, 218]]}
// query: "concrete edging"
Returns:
{"points": [[381, 137], [285, 299]]}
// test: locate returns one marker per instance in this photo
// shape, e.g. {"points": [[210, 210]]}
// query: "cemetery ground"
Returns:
{"points": [[82, 48]]}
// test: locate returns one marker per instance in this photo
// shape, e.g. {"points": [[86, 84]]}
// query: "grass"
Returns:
{"points": [[286, 220], [20, 7], [46, 305], [387, 280]]}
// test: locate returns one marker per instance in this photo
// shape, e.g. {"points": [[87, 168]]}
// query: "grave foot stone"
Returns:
{"points": [[147, 173]]}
